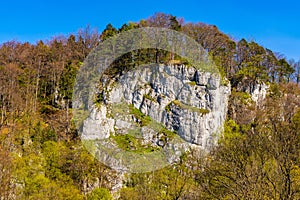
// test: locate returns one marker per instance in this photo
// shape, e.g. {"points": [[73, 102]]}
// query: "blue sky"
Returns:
{"points": [[273, 24]]}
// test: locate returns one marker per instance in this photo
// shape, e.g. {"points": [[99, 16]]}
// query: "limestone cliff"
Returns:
{"points": [[184, 100]]}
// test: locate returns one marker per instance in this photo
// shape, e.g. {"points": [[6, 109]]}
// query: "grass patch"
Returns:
{"points": [[147, 96], [128, 142], [168, 107], [160, 128], [123, 109], [203, 111], [192, 83], [167, 134], [142, 118], [177, 103]]}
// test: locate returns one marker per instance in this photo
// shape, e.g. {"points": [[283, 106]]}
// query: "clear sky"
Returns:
{"points": [[273, 24]]}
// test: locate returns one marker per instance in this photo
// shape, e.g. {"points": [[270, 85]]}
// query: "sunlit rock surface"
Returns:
{"points": [[181, 98]]}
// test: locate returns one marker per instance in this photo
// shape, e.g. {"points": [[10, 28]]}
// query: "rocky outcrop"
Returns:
{"points": [[181, 98], [96, 123], [259, 92], [257, 89]]}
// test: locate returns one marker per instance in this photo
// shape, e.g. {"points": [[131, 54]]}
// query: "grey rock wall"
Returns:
{"points": [[183, 99]]}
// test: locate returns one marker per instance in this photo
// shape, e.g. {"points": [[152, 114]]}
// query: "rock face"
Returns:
{"points": [[259, 92], [96, 123], [181, 98]]}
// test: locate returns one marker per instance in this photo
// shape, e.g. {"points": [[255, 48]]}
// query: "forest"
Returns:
{"points": [[42, 157]]}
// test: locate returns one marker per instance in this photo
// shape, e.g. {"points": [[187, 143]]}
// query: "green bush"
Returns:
{"points": [[100, 194]]}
